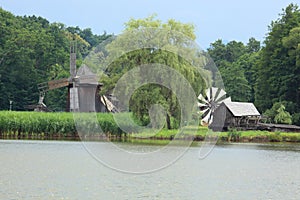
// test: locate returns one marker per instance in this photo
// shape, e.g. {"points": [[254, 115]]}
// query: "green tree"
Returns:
{"points": [[277, 77], [217, 52], [235, 62], [235, 82], [30, 49], [253, 46], [277, 113], [151, 94], [282, 116]]}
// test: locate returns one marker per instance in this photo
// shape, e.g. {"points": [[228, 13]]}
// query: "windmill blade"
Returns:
{"points": [[217, 94], [210, 117], [210, 94], [207, 104], [206, 119], [206, 98], [202, 99], [205, 113], [221, 94], [202, 108], [202, 104], [222, 98]]}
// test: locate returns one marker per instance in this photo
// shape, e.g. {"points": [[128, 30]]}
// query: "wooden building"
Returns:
{"points": [[83, 90], [239, 115], [85, 97]]}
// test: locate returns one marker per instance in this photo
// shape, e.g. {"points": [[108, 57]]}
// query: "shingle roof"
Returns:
{"points": [[239, 109]]}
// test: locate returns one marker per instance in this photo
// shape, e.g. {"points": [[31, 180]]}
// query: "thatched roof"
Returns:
{"points": [[240, 109]]}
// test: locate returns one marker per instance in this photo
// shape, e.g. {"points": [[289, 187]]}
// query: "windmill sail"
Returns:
{"points": [[208, 103]]}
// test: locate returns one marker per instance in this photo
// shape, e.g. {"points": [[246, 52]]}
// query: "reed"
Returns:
{"points": [[61, 124]]}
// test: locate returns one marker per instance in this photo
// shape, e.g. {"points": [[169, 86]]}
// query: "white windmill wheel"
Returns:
{"points": [[208, 103]]}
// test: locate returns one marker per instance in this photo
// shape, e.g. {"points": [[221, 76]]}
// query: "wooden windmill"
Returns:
{"points": [[83, 90]]}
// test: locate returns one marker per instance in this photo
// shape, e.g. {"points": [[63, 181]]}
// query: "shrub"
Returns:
{"points": [[233, 134], [275, 137], [296, 119]]}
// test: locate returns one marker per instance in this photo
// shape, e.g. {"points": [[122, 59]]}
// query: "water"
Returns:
{"points": [[65, 170]]}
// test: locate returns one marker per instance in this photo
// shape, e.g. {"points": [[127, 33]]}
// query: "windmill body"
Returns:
{"points": [[83, 90]]}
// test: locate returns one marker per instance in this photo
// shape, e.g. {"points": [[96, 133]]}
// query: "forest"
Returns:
{"points": [[267, 73]]}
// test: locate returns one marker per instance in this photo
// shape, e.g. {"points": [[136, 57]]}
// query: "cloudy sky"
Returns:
{"points": [[214, 19]]}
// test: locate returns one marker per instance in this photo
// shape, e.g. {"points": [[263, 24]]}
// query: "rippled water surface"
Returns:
{"points": [[65, 170]]}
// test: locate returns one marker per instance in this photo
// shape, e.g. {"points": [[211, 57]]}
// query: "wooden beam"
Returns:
{"points": [[58, 83]]}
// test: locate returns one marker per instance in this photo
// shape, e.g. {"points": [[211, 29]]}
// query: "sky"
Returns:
{"points": [[214, 19]]}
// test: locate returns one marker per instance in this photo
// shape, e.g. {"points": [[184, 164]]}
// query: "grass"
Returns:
{"points": [[22, 125], [37, 124]]}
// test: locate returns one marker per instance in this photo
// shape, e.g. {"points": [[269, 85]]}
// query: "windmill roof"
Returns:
{"points": [[84, 70], [239, 109], [86, 76]]}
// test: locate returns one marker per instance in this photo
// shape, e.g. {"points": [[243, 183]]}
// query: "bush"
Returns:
{"points": [[234, 134], [278, 114], [296, 119], [275, 137]]}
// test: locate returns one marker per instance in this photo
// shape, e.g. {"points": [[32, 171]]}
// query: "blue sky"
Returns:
{"points": [[214, 19]]}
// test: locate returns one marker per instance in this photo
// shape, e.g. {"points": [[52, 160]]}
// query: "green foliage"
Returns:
{"points": [[264, 75], [253, 46], [53, 124], [235, 61], [150, 94], [290, 137], [34, 123], [278, 68], [283, 117], [235, 83], [277, 114], [296, 119], [233, 134], [32, 51], [271, 113], [275, 137]]}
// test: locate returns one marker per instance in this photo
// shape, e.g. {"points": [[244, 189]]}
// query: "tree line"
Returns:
{"points": [[267, 73], [32, 51]]}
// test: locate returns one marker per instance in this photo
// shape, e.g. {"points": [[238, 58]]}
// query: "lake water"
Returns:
{"points": [[65, 170]]}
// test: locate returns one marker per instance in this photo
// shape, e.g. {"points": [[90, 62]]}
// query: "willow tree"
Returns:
{"points": [[149, 41]]}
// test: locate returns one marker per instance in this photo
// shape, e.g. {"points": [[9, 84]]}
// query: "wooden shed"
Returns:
{"points": [[239, 115]]}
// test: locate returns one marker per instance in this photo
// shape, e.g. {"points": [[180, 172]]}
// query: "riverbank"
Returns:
{"points": [[61, 126], [165, 136]]}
